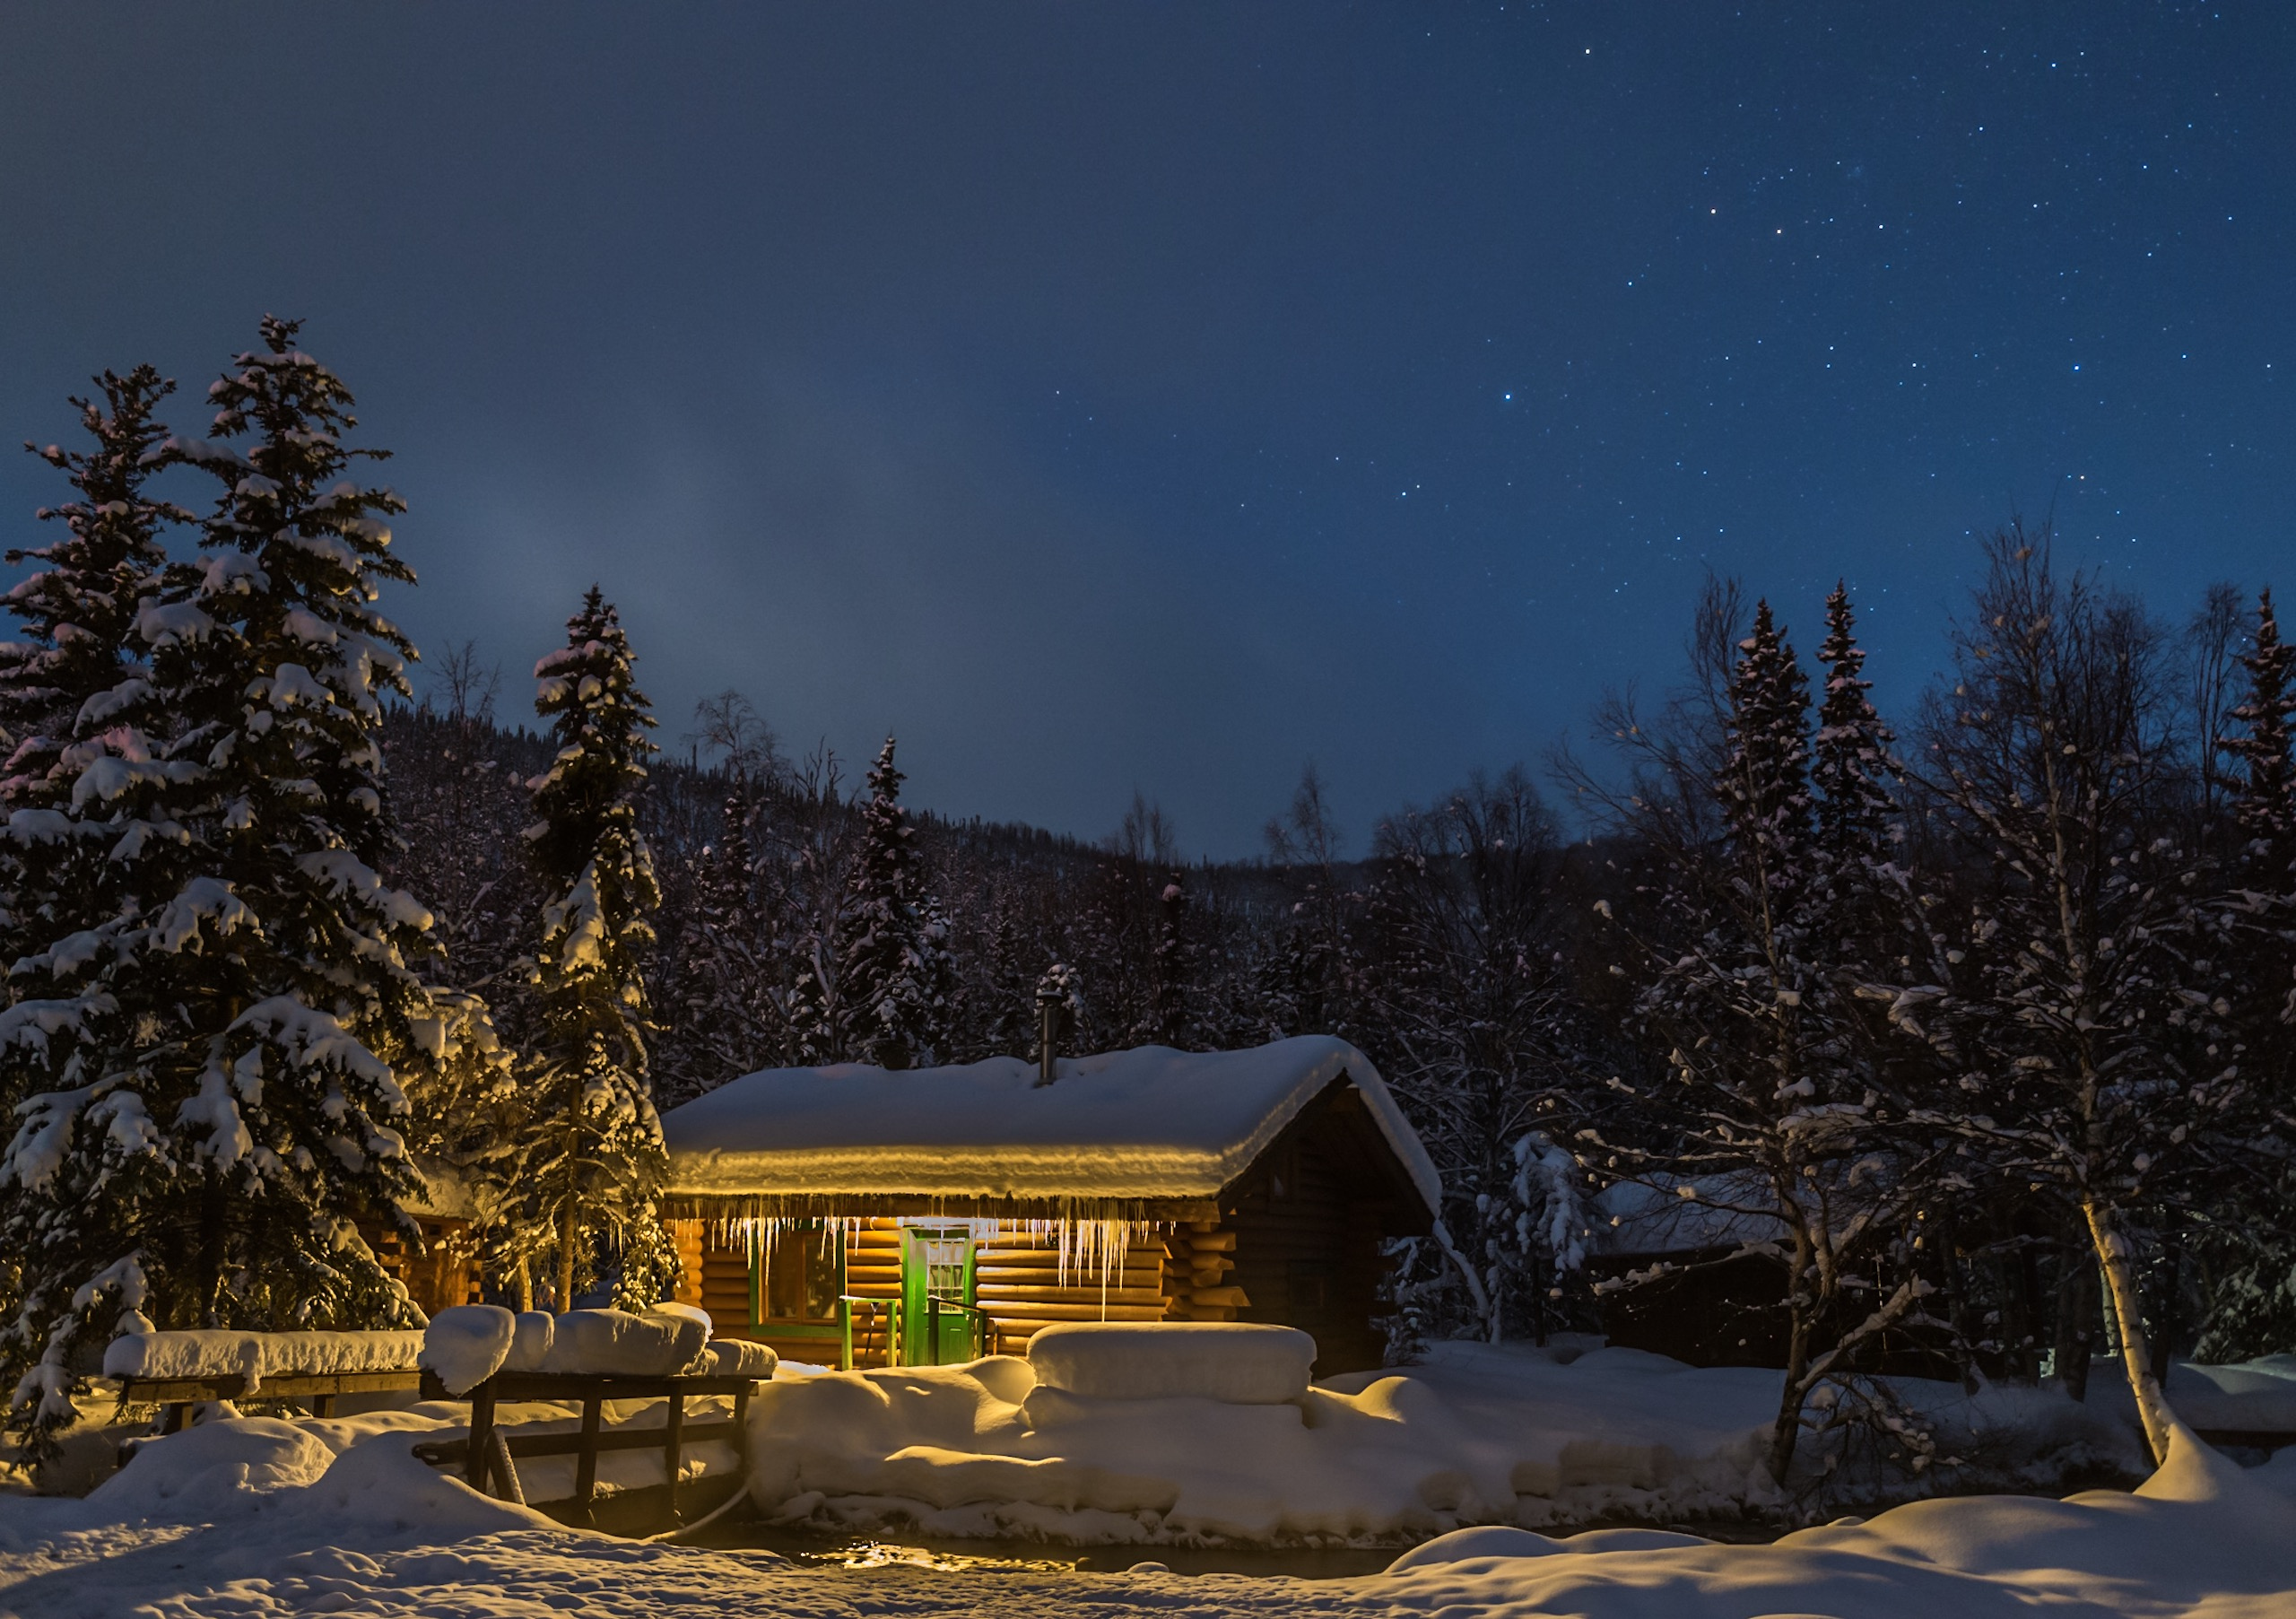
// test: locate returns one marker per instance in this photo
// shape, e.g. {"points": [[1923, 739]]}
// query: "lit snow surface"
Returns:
{"points": [[1150, 1122], [261, 1516], [213, 1354]]}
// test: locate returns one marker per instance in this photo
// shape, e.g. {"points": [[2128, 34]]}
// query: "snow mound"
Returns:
{"points": [[613, 1343], [195, 1469], [691, 1313], [1493, 1540], [2253, 1395], [1480, 1434], [215, 1353], [530, 1346], [1234, 1361], [738, 1357], [467, 1345]]}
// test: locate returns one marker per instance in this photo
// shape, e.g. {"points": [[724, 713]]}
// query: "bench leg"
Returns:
{"points": [[322, 1405], [585, 1460], [482, 1428], [672, 1445]]}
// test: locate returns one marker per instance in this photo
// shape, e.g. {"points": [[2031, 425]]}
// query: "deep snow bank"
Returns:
{"points": [[1477, 1435], [376, 1533]]}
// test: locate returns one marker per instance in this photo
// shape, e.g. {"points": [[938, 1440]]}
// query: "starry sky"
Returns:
{"points": [[1123, 396]]}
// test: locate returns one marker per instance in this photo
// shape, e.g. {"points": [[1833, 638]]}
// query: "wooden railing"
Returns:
{"points": [[490, 1451]]}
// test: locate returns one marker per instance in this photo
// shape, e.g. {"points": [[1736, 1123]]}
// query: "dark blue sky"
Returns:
{"points": [[1108, 395]]}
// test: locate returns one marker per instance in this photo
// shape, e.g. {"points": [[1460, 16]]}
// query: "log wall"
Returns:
{"points": [[1307, 1256]]}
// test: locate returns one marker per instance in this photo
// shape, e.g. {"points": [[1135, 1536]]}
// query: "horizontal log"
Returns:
{"points": [[1075, 1312], [994, 1298], [1219, 1297], [1045, 1274], [1051, 1255], [1215, 1242]]}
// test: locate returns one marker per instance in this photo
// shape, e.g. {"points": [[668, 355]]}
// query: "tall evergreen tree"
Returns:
{"points": [[1768, 1117], [2265, 796], [593, 1160], [720, 1034], [1851, 769], [2249, 1245], [77, 608], [78, 674], [893, 979], [231, 1062]]}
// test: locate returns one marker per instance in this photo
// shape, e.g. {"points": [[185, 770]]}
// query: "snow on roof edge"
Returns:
{"points": [[707, 1165]]}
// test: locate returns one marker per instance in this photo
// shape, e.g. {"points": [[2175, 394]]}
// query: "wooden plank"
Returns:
{"points": [[284, 1385], [449, 1452]]}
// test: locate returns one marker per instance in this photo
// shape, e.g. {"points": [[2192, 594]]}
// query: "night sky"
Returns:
{"points": [[1107, 396]]}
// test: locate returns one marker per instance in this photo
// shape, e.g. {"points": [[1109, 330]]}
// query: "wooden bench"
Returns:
{"points": [[174, 1396], [491, 1450]]}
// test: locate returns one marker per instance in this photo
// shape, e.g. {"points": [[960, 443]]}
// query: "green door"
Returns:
{"points": [[938, 1325]]}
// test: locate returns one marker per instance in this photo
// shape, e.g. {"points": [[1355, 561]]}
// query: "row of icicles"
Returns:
{"points": [[1092, 1250]]}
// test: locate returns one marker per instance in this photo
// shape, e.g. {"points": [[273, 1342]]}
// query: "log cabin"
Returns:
{"points": [[853, 1216]]}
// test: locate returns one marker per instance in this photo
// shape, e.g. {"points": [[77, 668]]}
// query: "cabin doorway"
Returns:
{"points": [[941, 1324]]}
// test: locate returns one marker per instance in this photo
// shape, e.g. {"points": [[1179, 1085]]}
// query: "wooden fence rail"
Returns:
{"points": [[491, 1450]]}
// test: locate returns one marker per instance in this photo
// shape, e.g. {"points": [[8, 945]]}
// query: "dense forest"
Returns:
{"points": [[1983, 1015]]}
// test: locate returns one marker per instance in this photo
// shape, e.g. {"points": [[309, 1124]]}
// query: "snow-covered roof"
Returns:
{"points": [[1148, 1124]]}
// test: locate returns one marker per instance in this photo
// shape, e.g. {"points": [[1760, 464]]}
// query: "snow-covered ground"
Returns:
{"points": [[1479, 1434], [261, 1518]]}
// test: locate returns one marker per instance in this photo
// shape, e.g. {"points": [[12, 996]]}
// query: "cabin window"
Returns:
{"points": [[802, 1276]]}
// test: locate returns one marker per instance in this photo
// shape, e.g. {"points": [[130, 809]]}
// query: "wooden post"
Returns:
{"points": [[482, 1425], [586, 1459], [322, 1405], [673, 1430]]}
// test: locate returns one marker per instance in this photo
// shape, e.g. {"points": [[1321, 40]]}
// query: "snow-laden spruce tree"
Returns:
{"points": [[894, 979], [1772, 1115], [77, 607], [719, 977], [223, 1066], [1167, 1019], [1853, 773], [591, 1159], [77, 670], [73, 672], [2251, 1249]]}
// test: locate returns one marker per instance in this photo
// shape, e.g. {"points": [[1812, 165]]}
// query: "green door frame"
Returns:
{"points": [[928, 1335]]}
